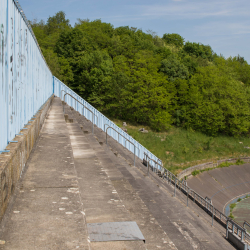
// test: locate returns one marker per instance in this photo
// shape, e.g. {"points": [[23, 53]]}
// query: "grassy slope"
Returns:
{"points": [[179, 148]]}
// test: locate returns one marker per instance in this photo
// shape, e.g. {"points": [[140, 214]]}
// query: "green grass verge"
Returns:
{"points": [[222, 165], [233, 205], [180, 149]]}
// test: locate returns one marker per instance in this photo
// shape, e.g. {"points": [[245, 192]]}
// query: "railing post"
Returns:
{"points": [[134, 152], [227, 229], [174, 186], [93, 123], [148, 167], [213, 217], [187, 196]]}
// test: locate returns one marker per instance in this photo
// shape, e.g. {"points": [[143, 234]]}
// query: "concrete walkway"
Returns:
{"points": [[71, 180]]}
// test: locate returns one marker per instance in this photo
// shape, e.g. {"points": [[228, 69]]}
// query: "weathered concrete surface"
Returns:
{"points": [[222, 184], [185, 228], [98, 180], [47, 211], [13, 162], [71, 180]]}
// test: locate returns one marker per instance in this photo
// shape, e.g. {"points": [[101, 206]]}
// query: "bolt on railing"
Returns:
{"points": [[82, 110]]}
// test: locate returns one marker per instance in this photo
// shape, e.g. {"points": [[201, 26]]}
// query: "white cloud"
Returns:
{"points": [[195, 9], [223, 28]]}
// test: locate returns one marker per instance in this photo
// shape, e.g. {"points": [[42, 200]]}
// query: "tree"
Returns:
{"points": [[199, 50], [173, 38], [173, 68], [215, 103]]}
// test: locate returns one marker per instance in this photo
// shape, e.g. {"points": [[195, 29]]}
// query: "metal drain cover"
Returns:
{"points": [[113, 231]]}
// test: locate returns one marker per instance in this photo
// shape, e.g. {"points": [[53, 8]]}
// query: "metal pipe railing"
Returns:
{"points": [[134, 148], [246, 223], [154, 161], [82, 110], [148, 164], [115, 131], [118, 138], [61, 93]]}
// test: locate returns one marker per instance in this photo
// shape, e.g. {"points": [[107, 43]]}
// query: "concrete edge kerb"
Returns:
{"points": [[188, 171], [12, 163]]}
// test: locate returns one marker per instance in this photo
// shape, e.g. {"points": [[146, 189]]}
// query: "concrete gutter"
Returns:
{"points": [[12, 163]]}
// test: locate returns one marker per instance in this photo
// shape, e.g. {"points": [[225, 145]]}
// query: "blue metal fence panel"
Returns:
{"points": [[26, 80], [60, 89]]}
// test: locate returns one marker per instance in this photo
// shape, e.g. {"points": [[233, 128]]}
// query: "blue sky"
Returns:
{"points": [[223, 24]]}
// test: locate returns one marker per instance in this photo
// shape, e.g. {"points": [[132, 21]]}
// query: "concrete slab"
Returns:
{"points": [[153, 207], [47, 210]]}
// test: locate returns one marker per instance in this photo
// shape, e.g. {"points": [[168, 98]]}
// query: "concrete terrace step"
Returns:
{"points": [[187, 228], [47, 210], [71, 180]]}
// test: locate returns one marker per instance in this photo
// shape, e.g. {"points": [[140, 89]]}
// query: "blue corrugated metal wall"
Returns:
{"points": [[26, 81]]}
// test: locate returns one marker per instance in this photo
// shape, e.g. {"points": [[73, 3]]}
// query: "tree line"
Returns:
{"points": [[151, 80]]}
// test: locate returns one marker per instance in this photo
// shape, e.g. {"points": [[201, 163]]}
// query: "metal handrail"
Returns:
{"points": [[118, 138], [134, 148], [133, 144], [188, 191], [148, 164], [61, 93], [246, 223], [240, 231], [115, 131], [154, 161], [82, 110]]}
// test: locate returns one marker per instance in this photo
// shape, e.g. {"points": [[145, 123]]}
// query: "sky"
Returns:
{"points": [[222, 24]]}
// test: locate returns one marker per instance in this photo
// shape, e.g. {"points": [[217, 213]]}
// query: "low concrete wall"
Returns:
{"points": [[235, 240], [13, 162], [188, 171]]}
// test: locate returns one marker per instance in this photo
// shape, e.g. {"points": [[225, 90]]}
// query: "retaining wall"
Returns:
{"points": [[12, 163]]}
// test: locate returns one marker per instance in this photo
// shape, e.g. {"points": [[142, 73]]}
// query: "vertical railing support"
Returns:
{"points": [[213, 217], [93, 118], [174, 186], [227, 229]]}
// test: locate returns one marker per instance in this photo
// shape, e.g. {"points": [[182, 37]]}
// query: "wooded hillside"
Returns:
{"points": [[140, 77]]}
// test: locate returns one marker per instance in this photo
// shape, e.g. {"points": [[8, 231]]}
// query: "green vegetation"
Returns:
{"points": [[233, 205], [222, 165], [195, 103], [180, 148], [163, 83]]}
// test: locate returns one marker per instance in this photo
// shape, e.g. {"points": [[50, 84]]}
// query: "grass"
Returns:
{"points": [[233, 205], [222, 165], [180, 149]]}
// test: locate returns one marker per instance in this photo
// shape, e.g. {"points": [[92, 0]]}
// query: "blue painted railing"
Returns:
{"points": [[27, 82], [25, 78], [60, 89]]}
